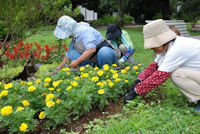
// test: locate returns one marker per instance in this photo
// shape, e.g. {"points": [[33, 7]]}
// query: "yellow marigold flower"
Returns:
{"points": [[42, 115], [100, 73], [23, 127], [84, 75], [51, 89], [29, 83], [44, 94], [58, 90], [49, 97], [137, 72], [108, 80], [69, 88], [135, 67], [96, 68], [31, 88], [139, 64], [58, 101], [4, 93], [76, 78], [55, 84], [95, 79], [82, 68], [37, 81], [22, 83], [7, 86], [104, 82], [74, 83], [106, 67], [114, 65], [5, 111], [87, 65], [46, 84], [126, 81], [48, 79], [123, 71], [65, 69], [50, 103], [117, 80], [25, 103], [68, 73], [115, 76], [111, 84], [100, 91], [20, 108], [127, 68], [100, 84], [113, 71]]}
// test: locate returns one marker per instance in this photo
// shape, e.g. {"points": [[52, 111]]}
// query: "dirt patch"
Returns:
{"points": [[78, 125]]}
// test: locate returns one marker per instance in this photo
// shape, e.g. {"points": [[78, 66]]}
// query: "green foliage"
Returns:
{"points": [[54, 9], [128, 18], [10, 70], [69, 93], [21, 17], [190, 11], [3, 29], [173, 114], [16, 15], [157, 16], [107, 19]]}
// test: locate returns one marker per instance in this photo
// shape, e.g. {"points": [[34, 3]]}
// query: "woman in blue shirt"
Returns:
{"points": [[88, 45]]}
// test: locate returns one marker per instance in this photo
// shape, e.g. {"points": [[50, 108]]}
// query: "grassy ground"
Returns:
{"points": [[168, 112]]}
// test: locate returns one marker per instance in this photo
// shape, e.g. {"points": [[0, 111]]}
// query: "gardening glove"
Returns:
{"points": [[127, 54], [131, 94]]}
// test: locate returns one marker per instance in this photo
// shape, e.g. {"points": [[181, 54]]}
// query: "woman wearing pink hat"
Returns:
{"points": [[178, 57]]}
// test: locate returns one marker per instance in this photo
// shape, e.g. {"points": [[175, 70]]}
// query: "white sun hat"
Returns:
{"points": [[157, 33]]}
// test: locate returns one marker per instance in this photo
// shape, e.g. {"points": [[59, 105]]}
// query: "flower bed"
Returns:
{"points": [[41, 53], [59, 98]]}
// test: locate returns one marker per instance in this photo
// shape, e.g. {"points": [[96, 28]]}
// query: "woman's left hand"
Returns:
{"points": [[74, 64]]}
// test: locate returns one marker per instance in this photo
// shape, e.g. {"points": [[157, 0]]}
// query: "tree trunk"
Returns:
{"points": [[121, 12], [165, 9]]}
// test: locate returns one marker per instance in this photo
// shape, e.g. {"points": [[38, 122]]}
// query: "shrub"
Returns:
{"points": [[107, 19], [54, 99]]}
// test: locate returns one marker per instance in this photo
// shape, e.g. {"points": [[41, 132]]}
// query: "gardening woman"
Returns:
{"points": [[178, 57], [87, 46], [120, 41]]}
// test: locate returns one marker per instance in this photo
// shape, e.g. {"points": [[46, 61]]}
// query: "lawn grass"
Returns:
{"points": [[170, 114]]}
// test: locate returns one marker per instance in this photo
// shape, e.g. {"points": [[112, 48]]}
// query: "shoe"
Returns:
{"points": [[130, 96]]}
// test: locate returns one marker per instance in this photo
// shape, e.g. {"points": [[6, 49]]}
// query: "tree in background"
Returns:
{"points": [[15, 17], [120, 12], [165, 9], [143, 10], [190, 11], [20, 18], [52, 10]]}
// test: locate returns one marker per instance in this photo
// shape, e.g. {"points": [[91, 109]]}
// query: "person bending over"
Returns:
{"points": [[178, 57]]}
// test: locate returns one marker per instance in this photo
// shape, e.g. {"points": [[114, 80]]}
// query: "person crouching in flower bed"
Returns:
{"points": [[178, 57], [87, 46], [120, 41]]}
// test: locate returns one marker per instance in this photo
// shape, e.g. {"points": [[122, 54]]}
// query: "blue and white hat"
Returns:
{"points": [[65, 27]]}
